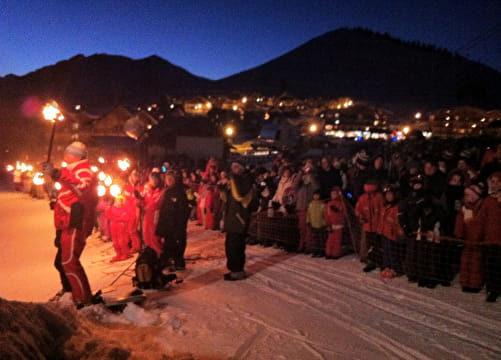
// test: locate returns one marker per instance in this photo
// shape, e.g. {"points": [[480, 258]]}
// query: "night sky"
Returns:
{"points": [[215, 39]]}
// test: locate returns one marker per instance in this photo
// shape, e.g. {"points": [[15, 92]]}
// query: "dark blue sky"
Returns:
{"points": [[215, 39]]}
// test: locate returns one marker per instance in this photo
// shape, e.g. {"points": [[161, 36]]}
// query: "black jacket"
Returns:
{"points": [[237, 214], [174, 212]]}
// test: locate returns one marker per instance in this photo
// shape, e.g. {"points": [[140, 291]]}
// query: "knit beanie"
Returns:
{"points": [[76, 148], [474, 191]]}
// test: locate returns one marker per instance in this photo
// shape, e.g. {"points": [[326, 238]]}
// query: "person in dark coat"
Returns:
{"points": [[358, 176], [328, 177], [409, 212], [378, 171], [172, 222], [237, 217], [490, 226], [435, 182]]}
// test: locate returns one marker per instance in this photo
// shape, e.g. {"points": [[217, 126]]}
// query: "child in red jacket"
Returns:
{"points": [[391, 234], [368, 210], [118, 217], [334, 215]]}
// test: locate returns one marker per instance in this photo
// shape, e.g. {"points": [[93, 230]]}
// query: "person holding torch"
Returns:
{"points": [[74, 219]]}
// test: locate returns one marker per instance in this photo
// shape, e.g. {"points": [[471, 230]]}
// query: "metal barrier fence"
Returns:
{"points": [[427, 261]]}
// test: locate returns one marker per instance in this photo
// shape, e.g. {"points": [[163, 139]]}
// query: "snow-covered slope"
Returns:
{"points": [[291, 307]]}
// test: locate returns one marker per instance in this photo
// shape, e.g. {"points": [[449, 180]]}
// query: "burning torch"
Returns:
{"points": [[52, 113]]}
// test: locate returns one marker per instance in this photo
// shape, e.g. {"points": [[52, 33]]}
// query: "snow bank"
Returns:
{"points": [[58, 331]]}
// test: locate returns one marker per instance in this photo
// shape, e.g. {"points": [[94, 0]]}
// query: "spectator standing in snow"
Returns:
{"points": [[490, 225], [131, 205], [118, 218], [468, 228], [367, 209], [315, 220], [304, 195], [150, 203], [391, 234], [172, 222], [328, 177], [335, 216], [239, 206]]}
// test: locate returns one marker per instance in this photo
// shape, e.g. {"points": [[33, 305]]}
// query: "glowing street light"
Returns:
{"points": [[313, 128], [52, 113], [406, 130], [229, 130], [418, 115]]}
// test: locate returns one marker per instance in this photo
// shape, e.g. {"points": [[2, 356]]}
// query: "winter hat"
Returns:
{"points": [[76, 148], [238, 164], [474, 190], [362, 158], [447, 154], [465, 154]]}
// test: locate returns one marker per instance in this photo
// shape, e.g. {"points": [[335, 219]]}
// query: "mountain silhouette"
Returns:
{"points": [[373, 67], [356, 63]]}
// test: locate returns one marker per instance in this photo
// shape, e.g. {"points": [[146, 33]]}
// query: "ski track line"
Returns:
{"points": [[436, 309], [432, 303], [381, 340], [382, 305], [244, 350], [273, 329], [440, 346], [428, 302]]}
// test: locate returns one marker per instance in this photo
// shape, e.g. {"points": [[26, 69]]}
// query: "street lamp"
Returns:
{"points": [[52, 113], [313, 128], [229, 130]]}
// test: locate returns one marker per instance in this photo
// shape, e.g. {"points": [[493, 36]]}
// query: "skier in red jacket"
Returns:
{"points": [[74, 212]]}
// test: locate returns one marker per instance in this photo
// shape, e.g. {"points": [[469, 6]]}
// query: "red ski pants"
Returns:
{"points": [[72, 245]]}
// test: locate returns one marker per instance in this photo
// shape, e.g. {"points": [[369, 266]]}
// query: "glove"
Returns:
{"points": [[52, 204], [50, 171]]}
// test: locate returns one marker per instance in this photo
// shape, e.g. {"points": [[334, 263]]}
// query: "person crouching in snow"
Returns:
{"points": [[150, 203], [334, 216], [315, 220], [468, 228], [118, 217], [391, 234]]}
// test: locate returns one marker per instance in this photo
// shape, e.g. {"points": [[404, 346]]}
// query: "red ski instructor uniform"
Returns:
{"points": [[73, 218]]}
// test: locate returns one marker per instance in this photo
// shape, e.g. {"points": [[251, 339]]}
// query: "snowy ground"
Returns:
{"points": [[291, 307]]}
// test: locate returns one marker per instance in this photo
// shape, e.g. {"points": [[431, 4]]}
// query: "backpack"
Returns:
{"points": [[149, 272]]}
